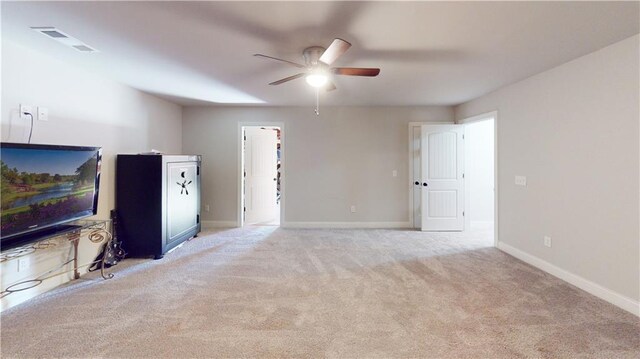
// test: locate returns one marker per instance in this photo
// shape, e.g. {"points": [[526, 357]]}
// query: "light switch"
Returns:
{"points": [[43, 113], [521, 181], [394, 173]]}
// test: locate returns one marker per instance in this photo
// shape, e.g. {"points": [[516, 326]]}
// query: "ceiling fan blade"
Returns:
{"points": [[287, 79], [281, 60], [337, 48], [330, 86], [355, 71]]}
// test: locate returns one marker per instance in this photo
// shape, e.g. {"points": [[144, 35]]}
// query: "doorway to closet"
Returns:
{"points": [[261, 180]]}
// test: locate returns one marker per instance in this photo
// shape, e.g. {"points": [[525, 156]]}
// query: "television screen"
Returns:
{"points": [[46, 185]]}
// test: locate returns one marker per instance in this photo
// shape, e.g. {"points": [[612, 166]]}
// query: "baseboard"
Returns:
{"points": [[341, 225], [219, 224], [482, 223], [362, 225], [617, 299]]}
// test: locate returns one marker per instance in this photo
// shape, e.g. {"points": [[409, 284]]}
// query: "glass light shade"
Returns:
{"points": [[317, 80]]}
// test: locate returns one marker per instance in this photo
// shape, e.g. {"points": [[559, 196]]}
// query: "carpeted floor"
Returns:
{"points": [[266, 292]]}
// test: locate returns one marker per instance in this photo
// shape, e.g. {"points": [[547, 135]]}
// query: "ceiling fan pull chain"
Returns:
{"points": [[317, 101]]}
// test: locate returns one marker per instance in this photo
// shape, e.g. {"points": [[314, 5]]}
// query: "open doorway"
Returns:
{"points": [[261, 180], [477, 172], [480, 172]]}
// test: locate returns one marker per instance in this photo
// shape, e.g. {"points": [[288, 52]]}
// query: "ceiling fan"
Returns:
{"points": [[317, 68]]}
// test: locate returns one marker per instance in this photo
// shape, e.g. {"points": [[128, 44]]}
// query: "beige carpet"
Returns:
{"points": [[265, 292]]}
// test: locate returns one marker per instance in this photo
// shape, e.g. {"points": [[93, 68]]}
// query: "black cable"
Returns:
{"points": [[31, 130]]}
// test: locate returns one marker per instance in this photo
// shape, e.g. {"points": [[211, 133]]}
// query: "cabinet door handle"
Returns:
{"points": [[425, 184], [416, 183]]}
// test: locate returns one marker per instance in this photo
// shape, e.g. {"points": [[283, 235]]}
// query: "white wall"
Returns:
{"points": [[343, 157], [84, 109], [573, 131], [479, 170]]}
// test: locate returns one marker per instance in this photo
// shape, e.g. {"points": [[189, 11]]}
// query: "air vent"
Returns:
{"points": [[53, 33], [83, 48], [61, 37]]}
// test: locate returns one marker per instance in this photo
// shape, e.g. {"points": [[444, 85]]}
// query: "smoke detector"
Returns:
{"points": [[61, 37]]}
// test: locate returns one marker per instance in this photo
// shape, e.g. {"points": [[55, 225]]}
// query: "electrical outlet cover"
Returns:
{"points": [[26, 109], [23, 264], [43, 113]]}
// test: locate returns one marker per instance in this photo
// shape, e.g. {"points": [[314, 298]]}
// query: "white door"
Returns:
{"points": [[416, 180], [442, 165], [260, 161]]}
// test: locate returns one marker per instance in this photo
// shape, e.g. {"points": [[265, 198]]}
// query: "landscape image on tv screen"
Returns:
{"points": [[41, 187]]}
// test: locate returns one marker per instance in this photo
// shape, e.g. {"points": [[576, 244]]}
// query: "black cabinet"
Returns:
{"points": [[157, 201]]}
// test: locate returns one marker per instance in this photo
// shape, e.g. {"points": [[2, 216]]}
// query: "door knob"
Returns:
{"points": [[425, 184]]}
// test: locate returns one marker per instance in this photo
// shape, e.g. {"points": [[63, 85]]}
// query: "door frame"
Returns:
{"points": [[496, 164], [240, 167]]}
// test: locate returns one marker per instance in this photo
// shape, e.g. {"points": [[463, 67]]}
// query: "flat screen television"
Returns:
{"points": [[45, 187]]}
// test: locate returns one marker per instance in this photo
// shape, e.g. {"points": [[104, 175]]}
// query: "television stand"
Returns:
{"points": [[96, 231], [41, 235]]}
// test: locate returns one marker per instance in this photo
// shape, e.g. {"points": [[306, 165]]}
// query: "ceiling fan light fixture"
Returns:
{"points": [[317, 80]]}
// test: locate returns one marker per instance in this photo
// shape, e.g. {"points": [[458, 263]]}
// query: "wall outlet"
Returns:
{"points": [[206, 208], [394, 173], [23, 264], [521, 181], [547, 241], [43, 114], [26, 109], [353, 209]]}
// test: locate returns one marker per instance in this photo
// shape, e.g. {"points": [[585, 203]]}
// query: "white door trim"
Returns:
{"points": [[240, 167], [410, 177], [496, 164]]}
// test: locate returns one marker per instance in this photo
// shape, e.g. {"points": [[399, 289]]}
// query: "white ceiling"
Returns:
{"points": [[430, 53]]}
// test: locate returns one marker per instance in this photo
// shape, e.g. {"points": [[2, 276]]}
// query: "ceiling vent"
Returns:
{"points": [[61, 37], [53, 33], [83, 48]]}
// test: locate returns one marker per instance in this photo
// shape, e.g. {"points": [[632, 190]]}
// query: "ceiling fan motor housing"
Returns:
{"points": [[312, 55]]}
